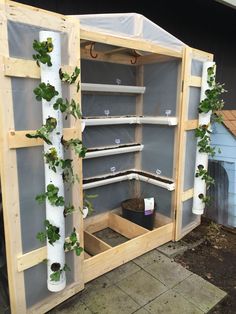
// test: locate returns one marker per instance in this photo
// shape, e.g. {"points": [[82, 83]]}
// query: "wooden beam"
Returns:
{"points": [[31, 259], [96, 223], [26, 68], [18, 139], [190, 125], [123, 253], [202, 55], [94, 245], [101, 56], [132, 43], [115, 50], [153, 58], [195, 81], [125, 227], [186, 195]]}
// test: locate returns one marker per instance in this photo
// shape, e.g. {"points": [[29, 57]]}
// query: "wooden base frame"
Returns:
{"points": [[102, 258]]}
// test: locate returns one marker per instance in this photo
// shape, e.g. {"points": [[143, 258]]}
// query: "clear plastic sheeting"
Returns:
{"points": [[160, 80], [196, 68], [194, 101], [155, 159], [187, 216], [190, 157], [131, 25]]}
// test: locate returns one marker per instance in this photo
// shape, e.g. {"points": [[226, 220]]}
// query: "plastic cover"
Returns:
{"points": [[130, 25]]}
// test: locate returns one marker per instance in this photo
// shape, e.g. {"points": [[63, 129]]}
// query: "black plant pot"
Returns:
{"points": [[133, 210]]}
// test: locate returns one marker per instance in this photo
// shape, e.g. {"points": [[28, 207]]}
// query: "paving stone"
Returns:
{"points": [[122, 272], [142, 287], [171, 249], [200, 292], [149, 258], [172, 303], [72, 309], [168, 272], [110, 300], [141, 311]]}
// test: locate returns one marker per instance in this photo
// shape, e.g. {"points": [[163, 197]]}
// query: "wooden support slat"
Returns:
{"points": [[101, 56], [187, 195], [202, 55], [96, 223], [132, 43], [17, 139], [31, 259], [195, 81], [86, 255], [125, 227], [26, 68], [116, 256], [154, 58], [94, 245], [190, 125]]}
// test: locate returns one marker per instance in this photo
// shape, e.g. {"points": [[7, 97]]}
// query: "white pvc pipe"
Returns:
{"points": [[55, 252], [108, 88], [114, 151], [131, 176], [130, 120], [201, 158]]}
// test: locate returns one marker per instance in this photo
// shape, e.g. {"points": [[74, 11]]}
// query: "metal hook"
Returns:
{"points": [[91, 51], [135, 57]]}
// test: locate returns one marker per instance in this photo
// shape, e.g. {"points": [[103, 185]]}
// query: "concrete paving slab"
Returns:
{"points": [[149, 258], [122, 272], [75, 309], [142, 287], [172, 303], [171, 249], [200, 292], [141, 311], [110, 300], [168, 272]]}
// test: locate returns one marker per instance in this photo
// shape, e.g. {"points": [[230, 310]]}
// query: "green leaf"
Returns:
{"points": [[78, 250]]}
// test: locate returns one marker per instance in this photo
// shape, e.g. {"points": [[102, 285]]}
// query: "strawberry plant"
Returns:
{"points": [[45, 130], [42, 49], [51, 233]]}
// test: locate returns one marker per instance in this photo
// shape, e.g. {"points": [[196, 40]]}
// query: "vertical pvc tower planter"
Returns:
{"points": [[54, 214], [201, 158]]}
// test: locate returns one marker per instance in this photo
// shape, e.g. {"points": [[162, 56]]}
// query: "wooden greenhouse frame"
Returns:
{"points": [[105, 257]]}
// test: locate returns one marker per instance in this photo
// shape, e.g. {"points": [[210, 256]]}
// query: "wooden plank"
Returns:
{"points": [[31, 258], [123, 253], [86, 255], [26, 14], [202, 55], [190, 125], [195, 81], [9, 181], [15, 67], [94, 245], [101, 56], [181, 139], [125, 227], [154, 58], [132, 43], [96, 223], [186, 195], [161, 220], [17, 139]]}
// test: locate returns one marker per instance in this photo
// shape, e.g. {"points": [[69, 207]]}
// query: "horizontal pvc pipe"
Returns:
{"points": [[54, 214], [130, 120], [108, 88], [131, 176], [114, 151], [201, 158]]}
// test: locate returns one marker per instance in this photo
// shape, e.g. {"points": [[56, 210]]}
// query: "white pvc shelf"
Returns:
{"points": [[108, 88], [114, 151], [131, 176], [130, 120]]}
